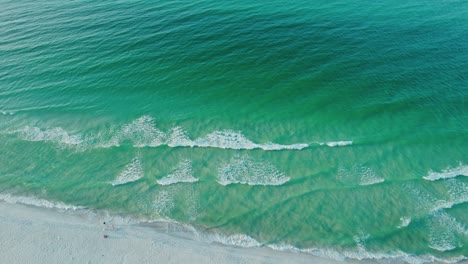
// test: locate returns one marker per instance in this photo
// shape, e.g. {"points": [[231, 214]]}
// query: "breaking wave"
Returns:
{"points": [[461, 170], [426, 202], [132, 172], [443, 230], [56, 134], [182, 173], [360, 175], [337, 143], [142, 132], [244, 170]]}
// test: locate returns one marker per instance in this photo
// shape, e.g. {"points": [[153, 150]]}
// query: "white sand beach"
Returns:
{"points": [[31, 234]]}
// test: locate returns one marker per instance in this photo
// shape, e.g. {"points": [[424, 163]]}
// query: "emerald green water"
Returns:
{"points": [[339, 129]]}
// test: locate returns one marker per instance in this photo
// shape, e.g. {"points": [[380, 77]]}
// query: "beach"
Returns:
{"points": [[42, 235]]}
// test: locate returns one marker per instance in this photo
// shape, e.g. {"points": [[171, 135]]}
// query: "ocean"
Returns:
{"points": [[338, 129]]}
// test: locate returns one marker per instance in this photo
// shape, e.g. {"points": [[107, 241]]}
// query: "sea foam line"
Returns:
{"points": [[14, 199]]}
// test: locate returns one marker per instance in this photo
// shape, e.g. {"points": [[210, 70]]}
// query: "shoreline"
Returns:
{"points": [[31, 234]]}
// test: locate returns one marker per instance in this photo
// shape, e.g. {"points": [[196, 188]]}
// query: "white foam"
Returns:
{"points": [[244, 170], [56, 134], [238, 240], [229, 139], [359, 175], [182, 173], [461, 170], [9, 198], [192, 204], [369, 177], [405, 221], [423, 200], [242, 240], [179, 138], [337, 143], [274, 146], [184, 195], [7, 112], [457, 190], [443, 230], [142, 132], [457, 193], [226, 139], [163, 202], [363, 254], [132, 172]]}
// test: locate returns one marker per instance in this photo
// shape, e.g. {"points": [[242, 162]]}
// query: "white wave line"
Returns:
{"points": [[461, 170], [142, 132]]}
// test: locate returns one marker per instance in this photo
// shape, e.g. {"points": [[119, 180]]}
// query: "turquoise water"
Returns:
{"points": [[337, 129]]}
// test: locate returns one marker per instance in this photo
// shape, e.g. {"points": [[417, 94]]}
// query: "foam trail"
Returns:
{"points": [[457, 191], [179, 138], [226, 139], [182, 173], [239, 240], [369, 177], [359, 175], [274, 146], [9, 198], [443, 230], [163, 202], [337, 143], [229, 139], [461, 170], [244, 170], [56, 134], [132, 172], [346, 255], [142, 132]]}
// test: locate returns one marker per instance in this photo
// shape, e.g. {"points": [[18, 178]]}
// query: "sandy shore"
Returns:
{"points": [[39, 235]]}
